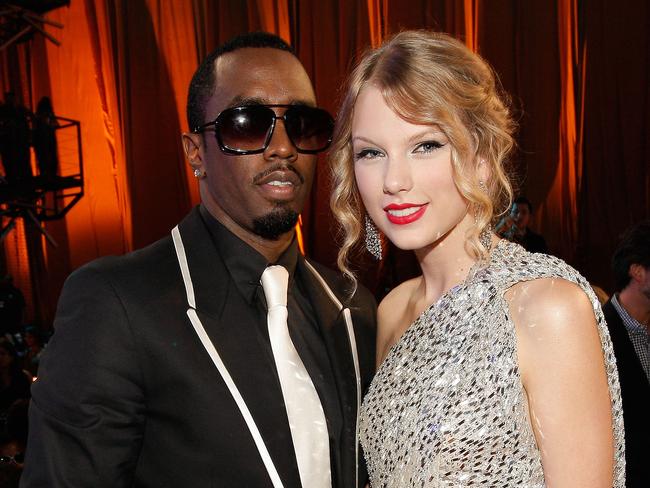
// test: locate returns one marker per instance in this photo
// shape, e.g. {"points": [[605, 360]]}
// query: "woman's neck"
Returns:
{"points": [[445, 263]]}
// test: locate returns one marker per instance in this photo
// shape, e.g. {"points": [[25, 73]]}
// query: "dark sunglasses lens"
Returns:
{"points": [[244, 128], [310, 129]]}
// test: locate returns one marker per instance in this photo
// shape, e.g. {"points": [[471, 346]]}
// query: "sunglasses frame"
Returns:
{"points": [[214, 125]]}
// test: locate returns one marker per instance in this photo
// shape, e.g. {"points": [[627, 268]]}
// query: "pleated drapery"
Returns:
{"points": [[578, 79]]}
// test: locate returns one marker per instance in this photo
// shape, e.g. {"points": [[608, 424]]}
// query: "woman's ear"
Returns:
{"points": [[483, 170]]}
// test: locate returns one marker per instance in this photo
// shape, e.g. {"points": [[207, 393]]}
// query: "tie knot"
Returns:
{"points": [[275, 281]]}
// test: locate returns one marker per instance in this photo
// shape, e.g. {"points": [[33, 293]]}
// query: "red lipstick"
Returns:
{"points": [[404, 213]]}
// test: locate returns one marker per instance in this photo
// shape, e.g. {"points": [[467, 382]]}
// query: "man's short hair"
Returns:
{"points": [[634, 248], [202, 84], [524, 201]]}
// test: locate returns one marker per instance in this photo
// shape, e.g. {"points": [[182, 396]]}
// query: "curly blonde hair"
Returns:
{"points": [[430, 78]]}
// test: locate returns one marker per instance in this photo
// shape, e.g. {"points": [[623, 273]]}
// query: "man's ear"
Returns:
{"points": [[192, 148], [637, 272]]}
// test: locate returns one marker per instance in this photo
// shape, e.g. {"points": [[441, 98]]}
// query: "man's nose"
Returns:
{"points": [[280, 145]]}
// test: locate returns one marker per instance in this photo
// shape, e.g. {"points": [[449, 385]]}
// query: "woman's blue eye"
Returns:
{"points": [[367, 154], [427, 147]]}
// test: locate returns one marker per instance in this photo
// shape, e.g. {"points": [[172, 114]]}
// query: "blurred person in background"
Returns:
{"points": [[515, 227], [628, 318]]}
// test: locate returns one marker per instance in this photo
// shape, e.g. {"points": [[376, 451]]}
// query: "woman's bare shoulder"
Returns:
{"points": [[393, 317]]}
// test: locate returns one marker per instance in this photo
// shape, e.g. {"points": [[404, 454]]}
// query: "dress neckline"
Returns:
{"points": [[475, 269]]}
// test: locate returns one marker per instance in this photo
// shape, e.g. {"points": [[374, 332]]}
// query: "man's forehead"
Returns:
{"points": [[245, 100], [266, 74]]}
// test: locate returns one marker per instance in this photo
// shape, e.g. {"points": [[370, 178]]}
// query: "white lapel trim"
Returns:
{"points": [[185, 269], [216, 359], [353, 349]]}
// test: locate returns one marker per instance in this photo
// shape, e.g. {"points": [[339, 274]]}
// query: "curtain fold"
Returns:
{"points": [[272, 16], [377, 10], [563, 193], [173, 25], [103, 45]]}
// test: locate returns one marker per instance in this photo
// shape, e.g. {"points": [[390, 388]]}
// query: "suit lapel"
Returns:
{"points": [[231, 327], [331, 318]]}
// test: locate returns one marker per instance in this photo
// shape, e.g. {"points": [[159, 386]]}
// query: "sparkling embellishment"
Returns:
{"points": [[485, 238], [447, 407], [373, 241]]}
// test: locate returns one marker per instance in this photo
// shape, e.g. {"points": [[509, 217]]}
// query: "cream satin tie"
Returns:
{"points": [[304, 410]]}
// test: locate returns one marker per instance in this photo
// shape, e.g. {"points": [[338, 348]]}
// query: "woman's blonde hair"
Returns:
{"points": [[429, 78]]}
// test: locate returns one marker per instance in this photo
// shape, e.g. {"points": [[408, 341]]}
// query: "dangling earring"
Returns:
{"points": [[198, 173], [373, 240], [485, 236]]}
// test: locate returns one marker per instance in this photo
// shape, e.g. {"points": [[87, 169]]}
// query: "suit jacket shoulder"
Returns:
{"points": [[635, 393]]}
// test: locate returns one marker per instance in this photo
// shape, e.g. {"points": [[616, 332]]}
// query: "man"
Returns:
{"points": [[162, 370], [628, 317], [514, 227]]}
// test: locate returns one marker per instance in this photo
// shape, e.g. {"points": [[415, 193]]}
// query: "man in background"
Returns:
{"points": [[515, 227], [628, 317]]}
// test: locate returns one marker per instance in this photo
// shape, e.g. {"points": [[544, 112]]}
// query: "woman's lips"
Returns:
{"points": [[404, 213]]}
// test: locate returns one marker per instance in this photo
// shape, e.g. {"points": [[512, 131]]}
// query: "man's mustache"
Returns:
{"points": [[277, 167]]}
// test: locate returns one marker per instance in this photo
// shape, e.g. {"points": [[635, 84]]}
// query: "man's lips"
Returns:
{"points": [[404, 213], [279, 184], [280, 178], [284, 173]]}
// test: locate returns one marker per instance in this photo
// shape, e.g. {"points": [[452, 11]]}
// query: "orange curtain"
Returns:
{"points": [[377, 11], [123, 68], [563, 193], [173, 24], [82, 89], [471, 24]]}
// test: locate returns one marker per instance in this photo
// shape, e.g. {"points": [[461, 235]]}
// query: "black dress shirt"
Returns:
{"points": [[246, 266]]}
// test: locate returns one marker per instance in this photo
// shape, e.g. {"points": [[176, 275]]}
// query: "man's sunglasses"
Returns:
{"points": [[249, 129]]}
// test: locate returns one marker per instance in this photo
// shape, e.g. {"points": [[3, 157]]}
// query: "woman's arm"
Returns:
{"points": [[563, 373]]}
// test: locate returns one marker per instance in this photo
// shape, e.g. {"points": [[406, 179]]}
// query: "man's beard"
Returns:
{"points": [[276, 223]]}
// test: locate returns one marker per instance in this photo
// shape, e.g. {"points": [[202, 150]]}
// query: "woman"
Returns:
{"points": [[494, 366]]}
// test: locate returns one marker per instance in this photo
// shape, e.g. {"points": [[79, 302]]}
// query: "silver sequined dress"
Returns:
{"points": [[447, 407]]}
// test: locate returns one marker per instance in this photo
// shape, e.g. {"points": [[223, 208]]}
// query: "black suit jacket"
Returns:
{"points": [[635, 392], [128, 396]]}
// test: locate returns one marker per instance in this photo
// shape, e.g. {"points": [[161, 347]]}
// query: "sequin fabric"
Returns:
{"points": [[447, 407]]}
